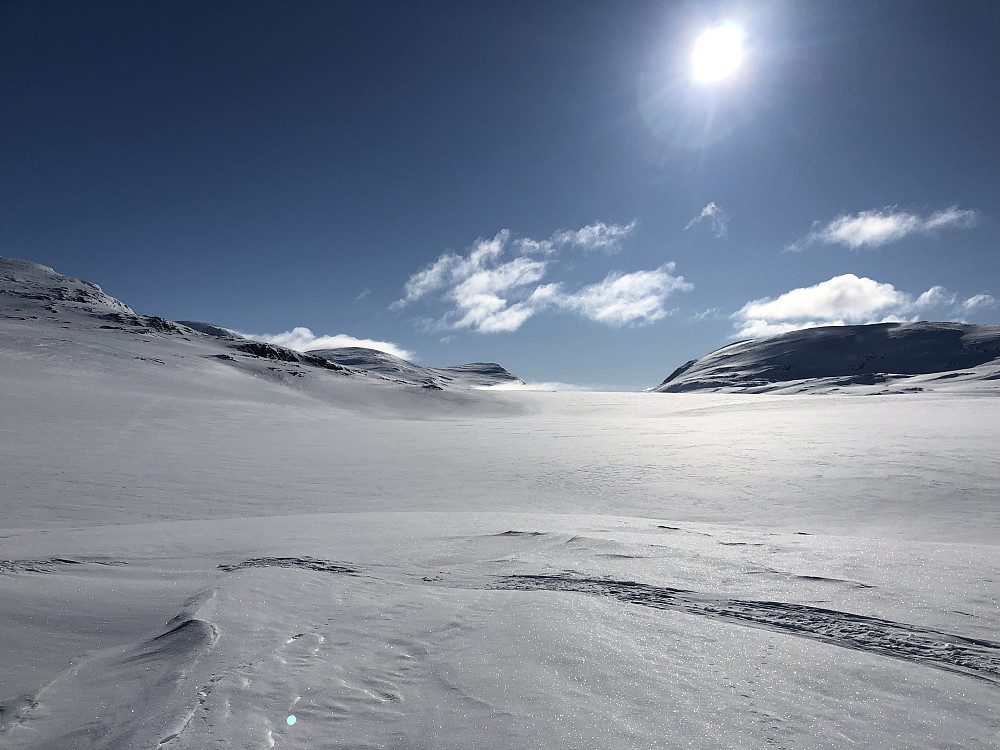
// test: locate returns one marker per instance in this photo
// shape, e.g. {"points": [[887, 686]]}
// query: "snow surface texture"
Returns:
{"points": [[882, 358], [195, 548]]}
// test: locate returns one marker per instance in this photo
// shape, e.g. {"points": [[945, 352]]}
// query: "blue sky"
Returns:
{"points": [[541, 184]]}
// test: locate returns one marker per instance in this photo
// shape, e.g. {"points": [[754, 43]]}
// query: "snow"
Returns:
{"points": [[880, 358], [475, 374], [194, 549]]}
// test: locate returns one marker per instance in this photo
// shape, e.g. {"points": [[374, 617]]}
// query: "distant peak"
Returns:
{"points": [[390, 367]]}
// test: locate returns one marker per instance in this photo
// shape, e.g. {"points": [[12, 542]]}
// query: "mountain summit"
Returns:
{"points": [[883, 357], [33, 289]]}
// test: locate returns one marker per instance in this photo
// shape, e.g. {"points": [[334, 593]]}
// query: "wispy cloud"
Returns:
{"points": [[714, 218], [494, 287], [710, 312], [603, 237], [936, 296], [621, 298], [880, 227], [303, 340], [846, 300], [981, 302], [451, 268], [477, 280]]}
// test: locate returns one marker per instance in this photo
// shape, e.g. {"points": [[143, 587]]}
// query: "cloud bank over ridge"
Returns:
{"points": [[847, 300], [301, 339]]}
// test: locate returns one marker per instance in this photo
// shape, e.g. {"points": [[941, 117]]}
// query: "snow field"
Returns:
{"points": [[197, 542]]}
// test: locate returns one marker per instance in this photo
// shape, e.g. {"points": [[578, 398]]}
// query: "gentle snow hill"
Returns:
{"points": [[38, 305], [41, 300], [879, 358], [382, 364]]}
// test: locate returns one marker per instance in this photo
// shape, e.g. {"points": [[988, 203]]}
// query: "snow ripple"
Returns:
{"points": [[946, 651]]}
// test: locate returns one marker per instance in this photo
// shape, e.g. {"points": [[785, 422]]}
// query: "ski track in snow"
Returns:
{"points": [[952, 653]]}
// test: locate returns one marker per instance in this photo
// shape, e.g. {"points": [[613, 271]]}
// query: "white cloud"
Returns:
{"points": [[451, 267], [714, 218], [936, 296], [303, 340], [877, 228], [488, 291], [847, 297], [600, 236], [842, 300], [953, 217], [535, 247], [978, 301], [478, 301], [621, 298]]}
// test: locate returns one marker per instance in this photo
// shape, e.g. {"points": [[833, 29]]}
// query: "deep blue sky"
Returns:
{"points": [[270, 166]]}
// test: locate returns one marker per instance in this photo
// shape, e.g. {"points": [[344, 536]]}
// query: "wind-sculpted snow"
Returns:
{"points": [[129, 697], [412, 630], [885, 357], [53, 564], [953, 653], [306, 563]]}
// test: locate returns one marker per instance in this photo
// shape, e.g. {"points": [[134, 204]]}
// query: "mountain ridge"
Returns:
{"points": [[379, 363], [35, 295], [879, 357]]}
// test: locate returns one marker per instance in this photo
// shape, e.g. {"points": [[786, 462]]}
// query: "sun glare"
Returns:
{"points": [[717, 53]]}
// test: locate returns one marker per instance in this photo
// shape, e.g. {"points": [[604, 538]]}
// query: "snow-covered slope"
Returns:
{"points": [[39, 304], [29, 291], [881, 358], [202, 546], [398, 370]]}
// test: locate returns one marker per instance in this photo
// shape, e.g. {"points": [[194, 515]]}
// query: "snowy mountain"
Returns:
{"points": [[37, 291], [36, 301], [398, 370], [881, 358]]}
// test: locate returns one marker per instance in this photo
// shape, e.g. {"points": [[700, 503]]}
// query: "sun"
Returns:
{"points": [[717, 53]]}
